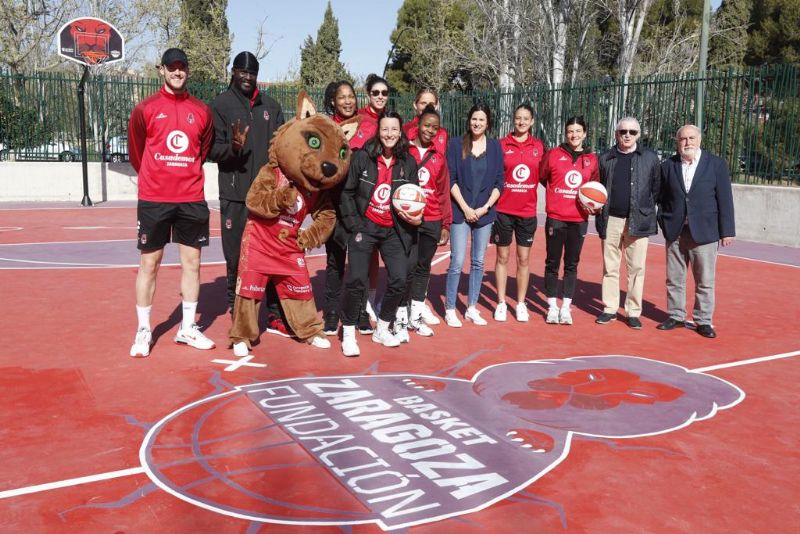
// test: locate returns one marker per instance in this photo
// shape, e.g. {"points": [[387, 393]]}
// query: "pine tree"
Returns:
{"points": [[775, 32], [319, 60], [205, 38], [728, 44]]}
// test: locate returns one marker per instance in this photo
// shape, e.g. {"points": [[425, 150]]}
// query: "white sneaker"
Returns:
{"points": [[401, 325], [371, 312], [451, 320], [428, 316], [141, 344], [564, 316], [475, 316], [240, 349], [522, 312], [420, 327], [552, 316], [500, 312], [383, 336], [320, 342], [193, 337], [350, 346]]}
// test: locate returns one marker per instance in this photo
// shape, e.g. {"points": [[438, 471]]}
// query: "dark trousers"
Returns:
{"points": [[419, 261], [563, 238], [395, 260], [336, 259], [232, 217]]}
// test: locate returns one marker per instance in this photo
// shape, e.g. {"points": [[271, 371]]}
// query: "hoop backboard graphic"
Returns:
{"points": [[90, 41]]}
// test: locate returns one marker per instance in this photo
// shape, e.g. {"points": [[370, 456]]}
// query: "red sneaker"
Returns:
{"points": [[275, 325]]}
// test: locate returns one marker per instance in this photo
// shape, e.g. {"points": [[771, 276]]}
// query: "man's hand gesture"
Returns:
{"points": [[238, 136]]}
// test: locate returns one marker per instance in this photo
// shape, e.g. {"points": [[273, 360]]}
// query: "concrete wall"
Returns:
{"points": [[767, 214], [59, 181]]}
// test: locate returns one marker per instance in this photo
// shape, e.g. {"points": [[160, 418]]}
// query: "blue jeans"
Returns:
{"points": [[458, 249]]}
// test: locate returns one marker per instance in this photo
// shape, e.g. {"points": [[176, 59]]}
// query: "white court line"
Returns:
{"points": [[71, 482], [747, 362], [139, 470]]}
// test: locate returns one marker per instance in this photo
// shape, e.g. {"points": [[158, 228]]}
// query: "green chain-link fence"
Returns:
{"points": [[751, 117]]}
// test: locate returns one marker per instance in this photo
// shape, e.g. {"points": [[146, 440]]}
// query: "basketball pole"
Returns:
{"points": [[82, 117]]}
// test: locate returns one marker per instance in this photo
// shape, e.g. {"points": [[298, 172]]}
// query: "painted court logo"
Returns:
{"points": [[404, 450]]}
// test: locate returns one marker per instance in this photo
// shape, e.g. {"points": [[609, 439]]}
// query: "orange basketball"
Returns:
{"points": [[592, 195], [410, 199]]}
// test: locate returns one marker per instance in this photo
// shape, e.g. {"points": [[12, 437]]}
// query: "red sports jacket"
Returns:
{"points": [[562, 177], [521, 167]]}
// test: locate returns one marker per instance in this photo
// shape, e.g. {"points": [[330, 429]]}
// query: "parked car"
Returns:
{"points": [[116, 149], [52, 151]]}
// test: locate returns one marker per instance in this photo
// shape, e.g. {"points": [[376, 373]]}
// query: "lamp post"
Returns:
{"points": [[391, 52]]}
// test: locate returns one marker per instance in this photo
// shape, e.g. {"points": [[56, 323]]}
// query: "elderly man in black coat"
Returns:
{"points": [[696, 217]]}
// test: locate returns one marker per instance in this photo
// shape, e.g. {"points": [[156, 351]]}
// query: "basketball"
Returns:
{"points": [[410, 199], [592, 195]]}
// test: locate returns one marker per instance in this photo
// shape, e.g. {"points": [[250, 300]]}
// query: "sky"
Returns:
{"points": [[364, 28]]}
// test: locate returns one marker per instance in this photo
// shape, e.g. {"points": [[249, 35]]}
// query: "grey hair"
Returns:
{"points": [[695, 128], [628, 119]]}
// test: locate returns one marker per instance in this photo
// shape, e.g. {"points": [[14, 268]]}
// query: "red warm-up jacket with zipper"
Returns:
{"points": [[562, 172]]}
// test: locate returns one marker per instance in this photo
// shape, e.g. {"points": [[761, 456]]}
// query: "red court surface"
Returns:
{"points": [[618, 431]]}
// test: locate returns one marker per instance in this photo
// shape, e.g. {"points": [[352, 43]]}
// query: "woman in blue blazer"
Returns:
{"points": [[475, 163]]}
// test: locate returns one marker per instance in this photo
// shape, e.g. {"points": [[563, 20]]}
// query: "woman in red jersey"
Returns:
{"points": [[378, 95], [516, 209], [341, 104], [563, 170], [434, 179], [426, 96]]}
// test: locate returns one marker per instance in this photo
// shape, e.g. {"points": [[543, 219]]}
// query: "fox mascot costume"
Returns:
{"points": [[308, 156]]}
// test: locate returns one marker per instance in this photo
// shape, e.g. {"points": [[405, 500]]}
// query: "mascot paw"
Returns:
{"points": [[286, 197]]}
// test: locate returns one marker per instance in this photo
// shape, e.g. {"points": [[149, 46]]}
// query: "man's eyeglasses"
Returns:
{"points": [[633, 133], [381, 92]]}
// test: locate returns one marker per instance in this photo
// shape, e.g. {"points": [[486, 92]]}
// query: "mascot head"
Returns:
{"points": [[312, 150]]}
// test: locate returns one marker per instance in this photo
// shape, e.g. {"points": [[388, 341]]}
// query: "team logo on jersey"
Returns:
{"points": [[573, 179], [228, 224], [535, 152], [358, 237], [382, 194], [143, 239], [296, 207], [587, 162], [521, 173], [266, 115], [177, 141], [190, 118], [424, 176], [301, 262]]}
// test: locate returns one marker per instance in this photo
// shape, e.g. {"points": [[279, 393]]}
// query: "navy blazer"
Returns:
{"points": [[460, 174], [708, 205]]}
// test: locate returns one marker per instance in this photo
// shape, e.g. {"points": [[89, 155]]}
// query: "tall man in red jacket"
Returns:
{"points": [[169, 136]]}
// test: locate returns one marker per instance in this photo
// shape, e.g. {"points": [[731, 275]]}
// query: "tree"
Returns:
{"points": [[775, 32], [28, 29], [729, 37], [426, 33], [319, 60], [205, 38]]}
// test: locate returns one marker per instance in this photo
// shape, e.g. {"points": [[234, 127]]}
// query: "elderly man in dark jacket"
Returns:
{"points": [[244, 122], [631, 174]]}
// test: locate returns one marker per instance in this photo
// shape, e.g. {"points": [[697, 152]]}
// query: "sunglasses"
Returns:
{"points": [[381, 92], [634, 133]]}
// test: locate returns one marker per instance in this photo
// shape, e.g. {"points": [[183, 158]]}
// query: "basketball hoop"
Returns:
{"points": [[90, 42]]}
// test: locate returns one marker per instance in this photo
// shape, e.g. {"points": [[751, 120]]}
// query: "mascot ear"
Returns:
{"points": [[305, 107], [350, 126]]}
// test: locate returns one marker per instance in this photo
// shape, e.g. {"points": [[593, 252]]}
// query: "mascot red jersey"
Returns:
{"points": [[308, 156]]}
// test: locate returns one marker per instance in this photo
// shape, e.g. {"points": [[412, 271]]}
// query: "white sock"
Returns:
{"points": [[189, 311], [143, 314], [566, 303], [416, 309], [383, 325], [348, 331], [552, 302]]}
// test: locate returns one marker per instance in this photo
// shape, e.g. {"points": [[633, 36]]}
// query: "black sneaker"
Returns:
{"points": [[606, 318], [634, 323], [364, 326], [331, 326]]}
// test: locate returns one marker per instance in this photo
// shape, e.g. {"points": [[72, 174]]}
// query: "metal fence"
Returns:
{"points": [[751, 117]]}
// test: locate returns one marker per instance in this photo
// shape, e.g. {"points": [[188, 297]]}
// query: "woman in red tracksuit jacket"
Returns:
{"points": [[516, 208], [378, 95], [563, 170], [434, 179]]}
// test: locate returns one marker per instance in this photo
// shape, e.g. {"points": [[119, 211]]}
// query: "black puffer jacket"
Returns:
{"points": [[645, 185], [361, 180], [237, 171]]}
